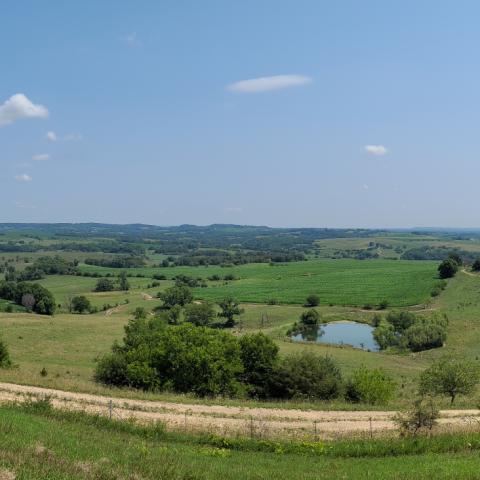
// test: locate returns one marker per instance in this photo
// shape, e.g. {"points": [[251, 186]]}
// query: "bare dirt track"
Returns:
{"points": [[228, 420]]}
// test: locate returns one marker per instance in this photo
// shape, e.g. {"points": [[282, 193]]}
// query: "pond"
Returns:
{"points": [[358, 335]]}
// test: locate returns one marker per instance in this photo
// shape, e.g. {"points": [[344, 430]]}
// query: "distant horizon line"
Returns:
{"points": [[245, 225]]}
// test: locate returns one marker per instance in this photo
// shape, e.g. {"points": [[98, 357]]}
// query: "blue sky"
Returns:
{"points": [[290, 113]]}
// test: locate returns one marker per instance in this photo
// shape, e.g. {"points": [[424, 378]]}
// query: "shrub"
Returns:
{"points": [[181, 358], [177, 295], [200, 314], [425, 334], [383, 305], [401, 320], [312, 301], [5, 361], [476, 265], [422, 415], [104, 285], [229, 310], [370, 386], [306, 375], [447, 269], [80, 304], [384, 335], [259, 355]]}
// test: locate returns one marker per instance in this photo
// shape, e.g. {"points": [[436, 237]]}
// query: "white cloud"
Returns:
{"points": [[18, 106], [41, 156], [23, 178], [132, 40], [52, 136], [378, 150], [265, 84]]}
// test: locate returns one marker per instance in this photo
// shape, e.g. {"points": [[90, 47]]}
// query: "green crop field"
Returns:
{"points": [[338, 282]]}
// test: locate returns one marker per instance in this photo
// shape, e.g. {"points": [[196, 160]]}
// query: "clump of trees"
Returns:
{"points": [[119, 261], [106, 284], [408, 331], [33, 296], [208, 362], [449, 267], [80, 304], [46, 265]]}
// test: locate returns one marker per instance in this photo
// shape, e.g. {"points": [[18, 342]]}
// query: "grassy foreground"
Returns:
{"points": [[42, 444]]}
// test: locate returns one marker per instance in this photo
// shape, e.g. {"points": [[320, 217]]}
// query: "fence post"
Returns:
{"points": [[110, 409], [315, 436], [371, 430]]}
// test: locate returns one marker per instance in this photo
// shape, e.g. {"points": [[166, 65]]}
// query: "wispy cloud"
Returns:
{"points": [[265, 84], [69, 137], [27, 206], [73, 137], [17, 107], [132, 40], [41, 156], [52, 136], [378, 150], [23, 178]]}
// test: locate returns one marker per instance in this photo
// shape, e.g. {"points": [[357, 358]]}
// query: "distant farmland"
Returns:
{"points": [[338, 282]]}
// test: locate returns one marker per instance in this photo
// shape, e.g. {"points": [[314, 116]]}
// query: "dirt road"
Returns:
{"points": [[227, 420]]}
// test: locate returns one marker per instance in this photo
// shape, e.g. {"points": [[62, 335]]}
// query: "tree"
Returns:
{"points": [[123, 281], [200, 314], [229, 310], [259, 355], [384, 335], [476, 265], [177, 295], [28, 301], [450, 376], [309, 317], [312, 301], [80, 304], [370, 386], [104, 285], [455, 258], [401, 320], [447, 269]]}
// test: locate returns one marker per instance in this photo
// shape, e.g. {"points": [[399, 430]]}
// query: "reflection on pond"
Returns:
{"points": [[358, 335]]}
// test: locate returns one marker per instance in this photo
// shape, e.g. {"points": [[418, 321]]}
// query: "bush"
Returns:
{"points": [[422, 415], [104, 285], [306, 375], [476, 265], [447, 269], [200, 314], [177, 295], [80, 304], [312, 301], [182, 358], [401, 320], [384, 335], [309, 317], [259, 355], [370, 386], [425, 334], [5, 361]]}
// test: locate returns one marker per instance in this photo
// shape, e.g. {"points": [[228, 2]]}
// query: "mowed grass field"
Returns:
{"points": [[44, 445], [337, 282]]}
